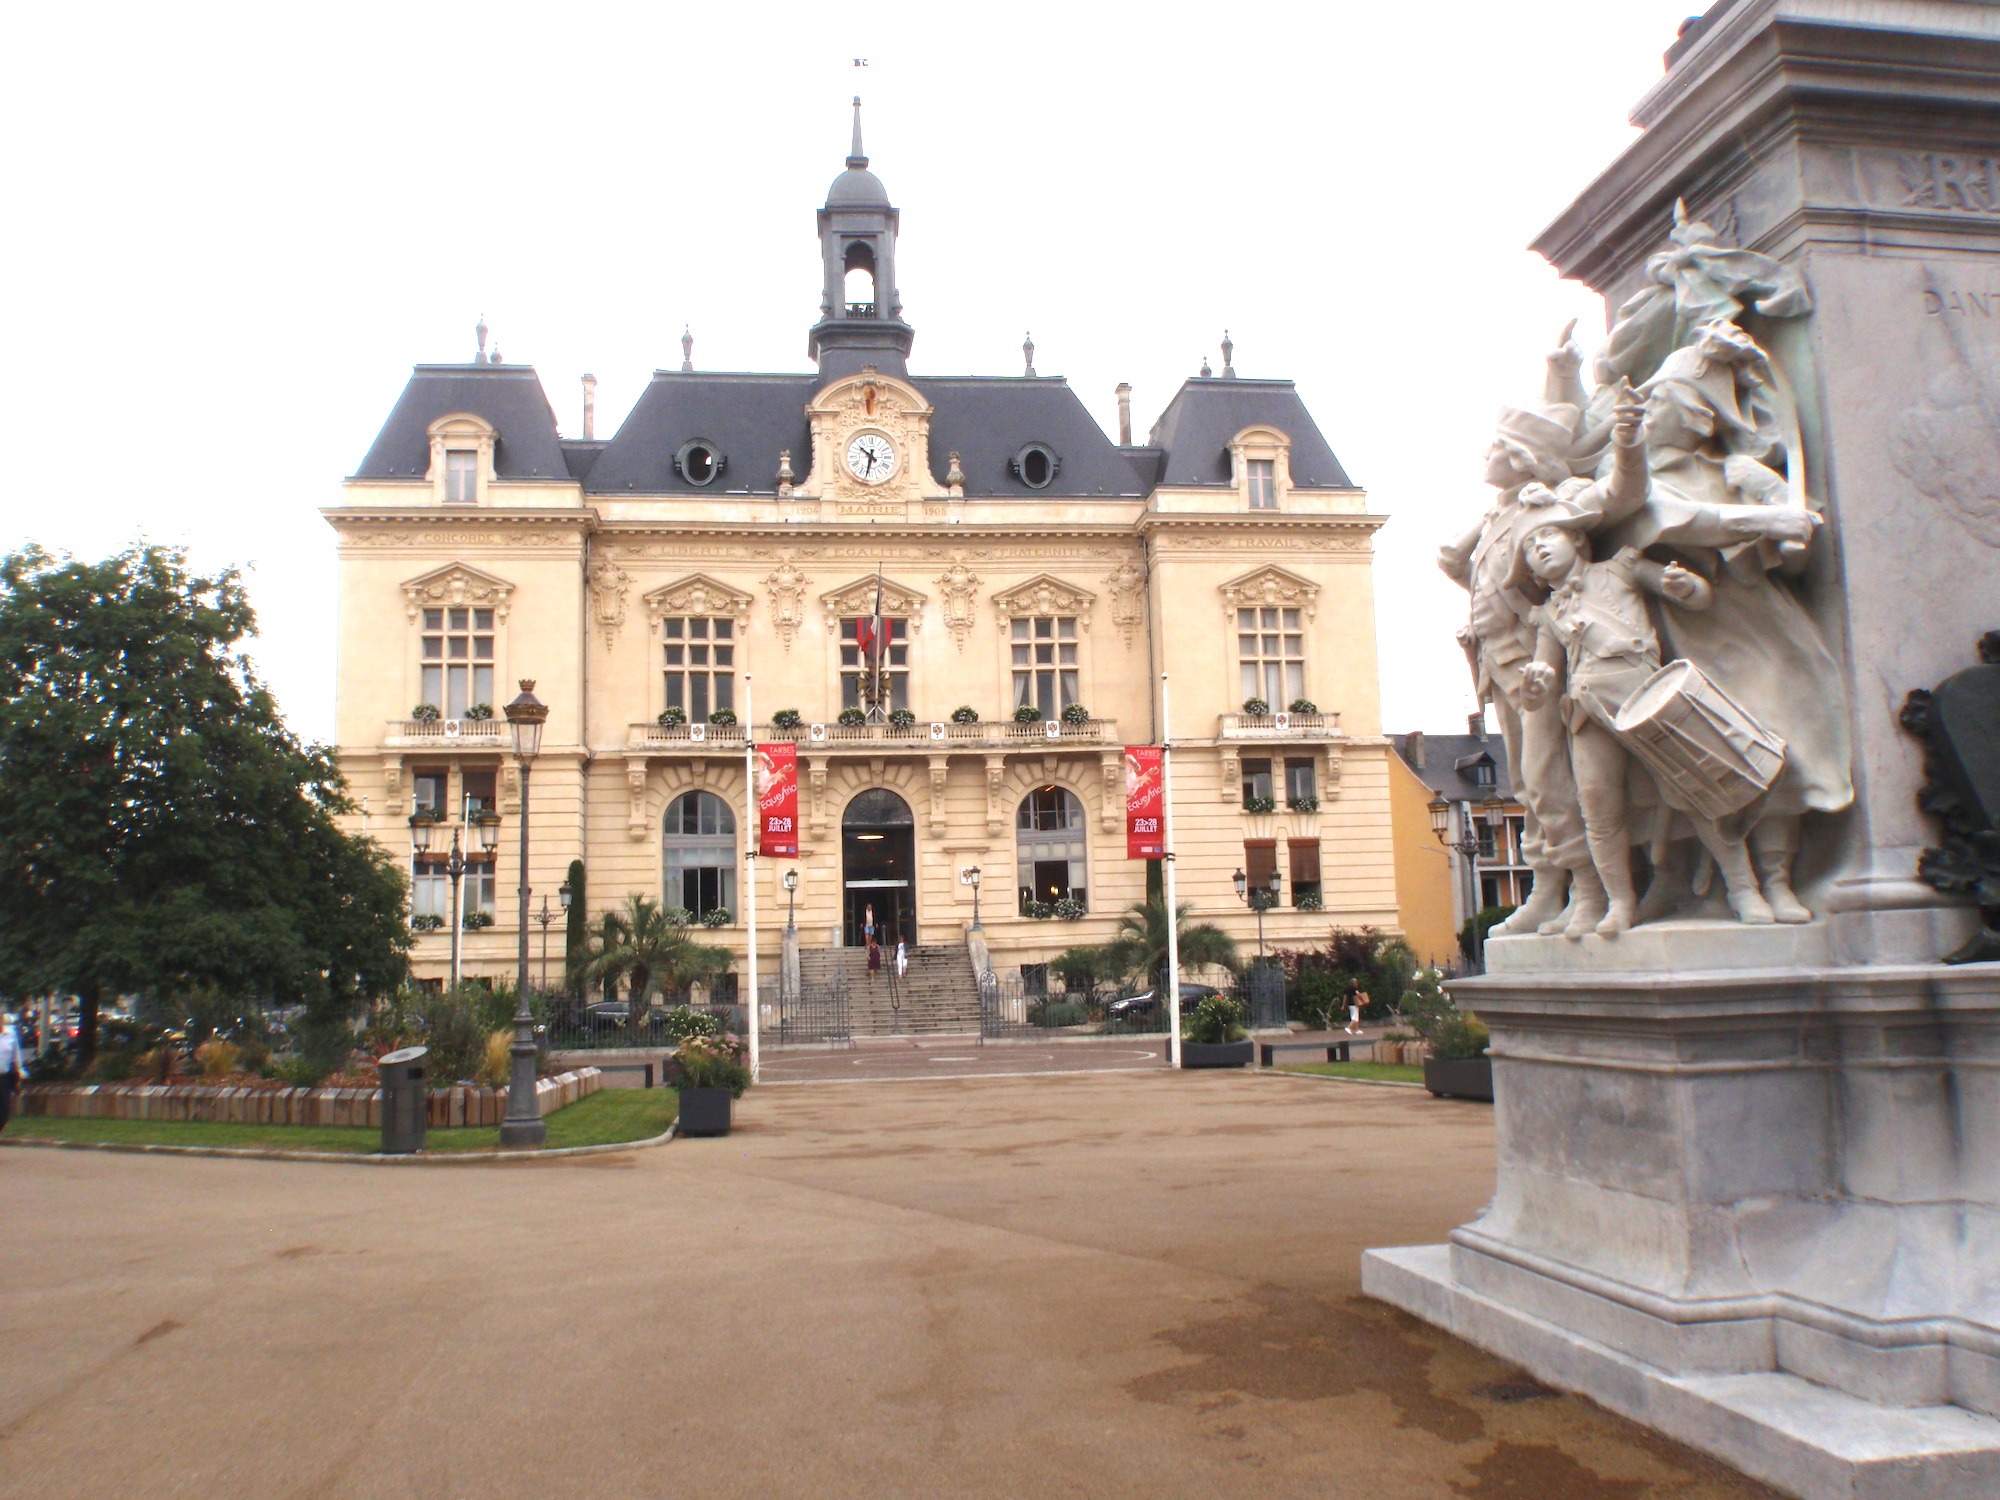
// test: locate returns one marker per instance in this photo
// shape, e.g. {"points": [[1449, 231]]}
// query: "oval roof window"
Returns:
{"points": [[699, 461], [1036, 466]]}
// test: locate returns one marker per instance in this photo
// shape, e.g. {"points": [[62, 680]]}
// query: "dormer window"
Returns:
{"points": [[699, 462], [1263, 484], [1260, 461], [1036, 466], [461, 477]]}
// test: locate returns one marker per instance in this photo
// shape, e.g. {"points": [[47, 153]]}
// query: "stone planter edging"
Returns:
{"points": [[350, 1158], [457, 1107]]}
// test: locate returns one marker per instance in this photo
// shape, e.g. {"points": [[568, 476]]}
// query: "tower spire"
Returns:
{"points": [[856, 157]]}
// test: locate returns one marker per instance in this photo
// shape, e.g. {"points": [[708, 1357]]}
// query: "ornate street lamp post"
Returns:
{"points": [[423, 824], [972, 879], [1467, 845], [545, 916], [1259, 900], [523, 1126], [791, 881]]}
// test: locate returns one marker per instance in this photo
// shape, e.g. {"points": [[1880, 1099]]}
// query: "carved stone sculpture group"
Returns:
{"points": [[1636, 622]]}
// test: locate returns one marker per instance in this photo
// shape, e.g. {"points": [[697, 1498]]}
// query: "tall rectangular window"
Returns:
{"points": [[479, 793], [480, 885], [430, 889], [461, 477], [458, 659], [427, 793], [1256, 781], [1271, 654], [1045, 666], [1305, 870], [1260, 862], [895, 663], [1300, 783], [1263, 484], [700, 665]]}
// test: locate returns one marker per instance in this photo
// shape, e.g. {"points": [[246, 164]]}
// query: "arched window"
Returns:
{"points": [[1050, 857], [858, 290], [700, 850]]}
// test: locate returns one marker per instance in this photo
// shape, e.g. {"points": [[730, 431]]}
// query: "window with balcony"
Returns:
{"points": [[1045, 663], [700, 854], [1050, 851], [895, 662], [457, 670], [1256, 783], [1271, 655], [700, 665]]}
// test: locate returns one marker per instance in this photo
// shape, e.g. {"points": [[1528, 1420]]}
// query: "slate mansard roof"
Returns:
{"points": [[750, 419]]}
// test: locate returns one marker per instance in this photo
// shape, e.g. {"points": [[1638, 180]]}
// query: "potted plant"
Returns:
{"points": [[426, 921], [1310, 901], [1260, 804], [672, 717], [479, 712], [1257, 708], [723, 716], [1304, 706], [1069, 909], [717, 916], [1302, 804], [1076, 714], [475, 920], [786, 718], [965, 713], [852, 717], [1459, 1067], [709, 1072], [1027, 713], [901, 718], [426, 713], [1213, 1036], [1040, 911]]}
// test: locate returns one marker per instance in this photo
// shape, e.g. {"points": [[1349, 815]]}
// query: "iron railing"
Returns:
{"points": [[815, 1013], [587, 1028], [1011, 1009], [998, 735]]}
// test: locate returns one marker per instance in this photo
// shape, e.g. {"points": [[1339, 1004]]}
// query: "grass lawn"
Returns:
{"points": [[607, 1117], [1376, 1072]]}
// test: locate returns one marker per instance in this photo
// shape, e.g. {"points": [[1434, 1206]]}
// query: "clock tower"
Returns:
{"points": [[860, 312]]}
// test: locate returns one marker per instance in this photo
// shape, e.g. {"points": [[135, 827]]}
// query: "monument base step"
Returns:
{"points": [[1803, 1439]]}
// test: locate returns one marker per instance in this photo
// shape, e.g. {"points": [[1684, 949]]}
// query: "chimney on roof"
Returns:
{"points": [[1124, 414], [589, 407], [1413, 749], [1475, 724]]}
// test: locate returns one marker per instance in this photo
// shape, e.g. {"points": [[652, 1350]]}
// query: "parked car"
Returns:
{"points": [[1146, 1003]]}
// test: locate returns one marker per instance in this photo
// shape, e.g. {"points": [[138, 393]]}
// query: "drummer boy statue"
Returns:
{"points": [[1597, 646]]}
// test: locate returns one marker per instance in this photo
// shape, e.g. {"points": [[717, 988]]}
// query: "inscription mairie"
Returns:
{"points": [[1954, 183]]}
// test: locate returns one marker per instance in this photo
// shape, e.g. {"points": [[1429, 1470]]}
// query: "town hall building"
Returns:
{"points": [[1038, 578]]}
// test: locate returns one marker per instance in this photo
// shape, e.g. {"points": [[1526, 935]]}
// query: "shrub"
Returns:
{"points": [[1458, 1036], [722, 716], [1069, 909], [1318, 978], [1076, 713], [684, 1021], [851, 717], [217, 1058], [456, 1029], [1040, 911], [965, 713], [1260, 804], [1027, 713], [902, 718], [1303, 706], [1489, 918], [1058, 1013], [480, 711], [426, 922], [786, 718], [672, 717], [1213, 1019], [1080, 968], [716, 916], [298, 1071], [1257, 707], [711, 1062], [497, 1066], [426, 713]]}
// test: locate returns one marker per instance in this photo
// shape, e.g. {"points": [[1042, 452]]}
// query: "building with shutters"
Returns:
{"points": [[1038, 576]]}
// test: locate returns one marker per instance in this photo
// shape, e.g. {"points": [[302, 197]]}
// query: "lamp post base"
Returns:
{"points": [[523, 1127]]}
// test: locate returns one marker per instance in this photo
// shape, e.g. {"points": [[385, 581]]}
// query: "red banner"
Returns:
{"points": [[1145, 803], [778, 800]]}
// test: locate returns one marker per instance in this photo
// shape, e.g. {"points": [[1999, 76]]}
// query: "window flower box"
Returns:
{"points": [[479, 713], [1076, 714], [965, 714], [1027, 713]]}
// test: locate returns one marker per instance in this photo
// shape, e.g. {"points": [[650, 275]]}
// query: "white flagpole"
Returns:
{"points": [[753, 824], [1167, 851]]}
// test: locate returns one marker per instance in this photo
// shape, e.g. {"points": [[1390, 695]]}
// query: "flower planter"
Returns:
{"points": [[1460, 1077], [705, 1111], [1217, 1054]]}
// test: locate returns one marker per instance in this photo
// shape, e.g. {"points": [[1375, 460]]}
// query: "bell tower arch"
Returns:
{"points": [[860, 312]]}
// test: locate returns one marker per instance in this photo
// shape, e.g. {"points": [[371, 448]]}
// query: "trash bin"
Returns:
{"points": [[405, 1100]]}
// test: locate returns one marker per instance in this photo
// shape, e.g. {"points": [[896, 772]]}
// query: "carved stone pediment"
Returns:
{"points": [[457, 584], [1272, 586], [698, 595], [1044, 594], [858, 598]]}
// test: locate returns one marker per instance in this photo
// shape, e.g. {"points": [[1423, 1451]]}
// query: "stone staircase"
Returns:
{"points": [[938, 995]]}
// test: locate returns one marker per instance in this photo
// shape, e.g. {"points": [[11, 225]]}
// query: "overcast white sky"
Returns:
{"points": [[232, 232]]}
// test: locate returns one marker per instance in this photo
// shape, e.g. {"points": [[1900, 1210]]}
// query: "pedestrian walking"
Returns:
{"points": [[902, 959], [1357, 999], [874, 957], [11, 1067]]}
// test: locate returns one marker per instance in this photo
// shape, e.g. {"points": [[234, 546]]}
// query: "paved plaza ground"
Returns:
{"points": [[1095, 1284]]}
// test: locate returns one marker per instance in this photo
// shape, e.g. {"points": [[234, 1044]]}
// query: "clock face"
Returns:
{"points": [[871, 458]]}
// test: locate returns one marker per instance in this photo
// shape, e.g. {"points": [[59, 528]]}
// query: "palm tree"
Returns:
{"points": [[1141, 944], [645, 945]]}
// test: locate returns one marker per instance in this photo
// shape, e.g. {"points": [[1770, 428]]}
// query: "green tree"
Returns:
{"points": [[576, 930], [160, 828], [643, 945], [1140, 946]]}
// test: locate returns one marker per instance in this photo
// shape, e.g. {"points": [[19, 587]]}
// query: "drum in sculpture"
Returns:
{"points": [[1708, 752]]}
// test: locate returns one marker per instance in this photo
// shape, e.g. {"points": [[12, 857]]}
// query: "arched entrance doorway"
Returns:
{"points": [[878, 869]]}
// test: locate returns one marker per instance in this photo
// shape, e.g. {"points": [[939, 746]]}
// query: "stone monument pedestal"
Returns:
{"points": [[1747, 1206]]}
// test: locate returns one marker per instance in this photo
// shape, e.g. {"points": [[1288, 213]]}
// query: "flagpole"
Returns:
{"points": [[754, 829], [1167, 881]]}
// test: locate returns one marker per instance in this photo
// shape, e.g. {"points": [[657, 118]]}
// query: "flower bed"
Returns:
{"points": [[274, 1104]]}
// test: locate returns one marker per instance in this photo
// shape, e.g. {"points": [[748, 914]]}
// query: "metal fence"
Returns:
{"points": [[1264, 992], [1017, 1009], [815, 1013], [576, 1028]]}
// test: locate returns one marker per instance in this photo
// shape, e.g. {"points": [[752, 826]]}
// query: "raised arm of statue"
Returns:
{"points": [[1455, 558], [1564, 385]]}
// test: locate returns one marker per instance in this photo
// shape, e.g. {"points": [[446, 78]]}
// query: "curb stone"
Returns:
{"points": [[349, 1158]]}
